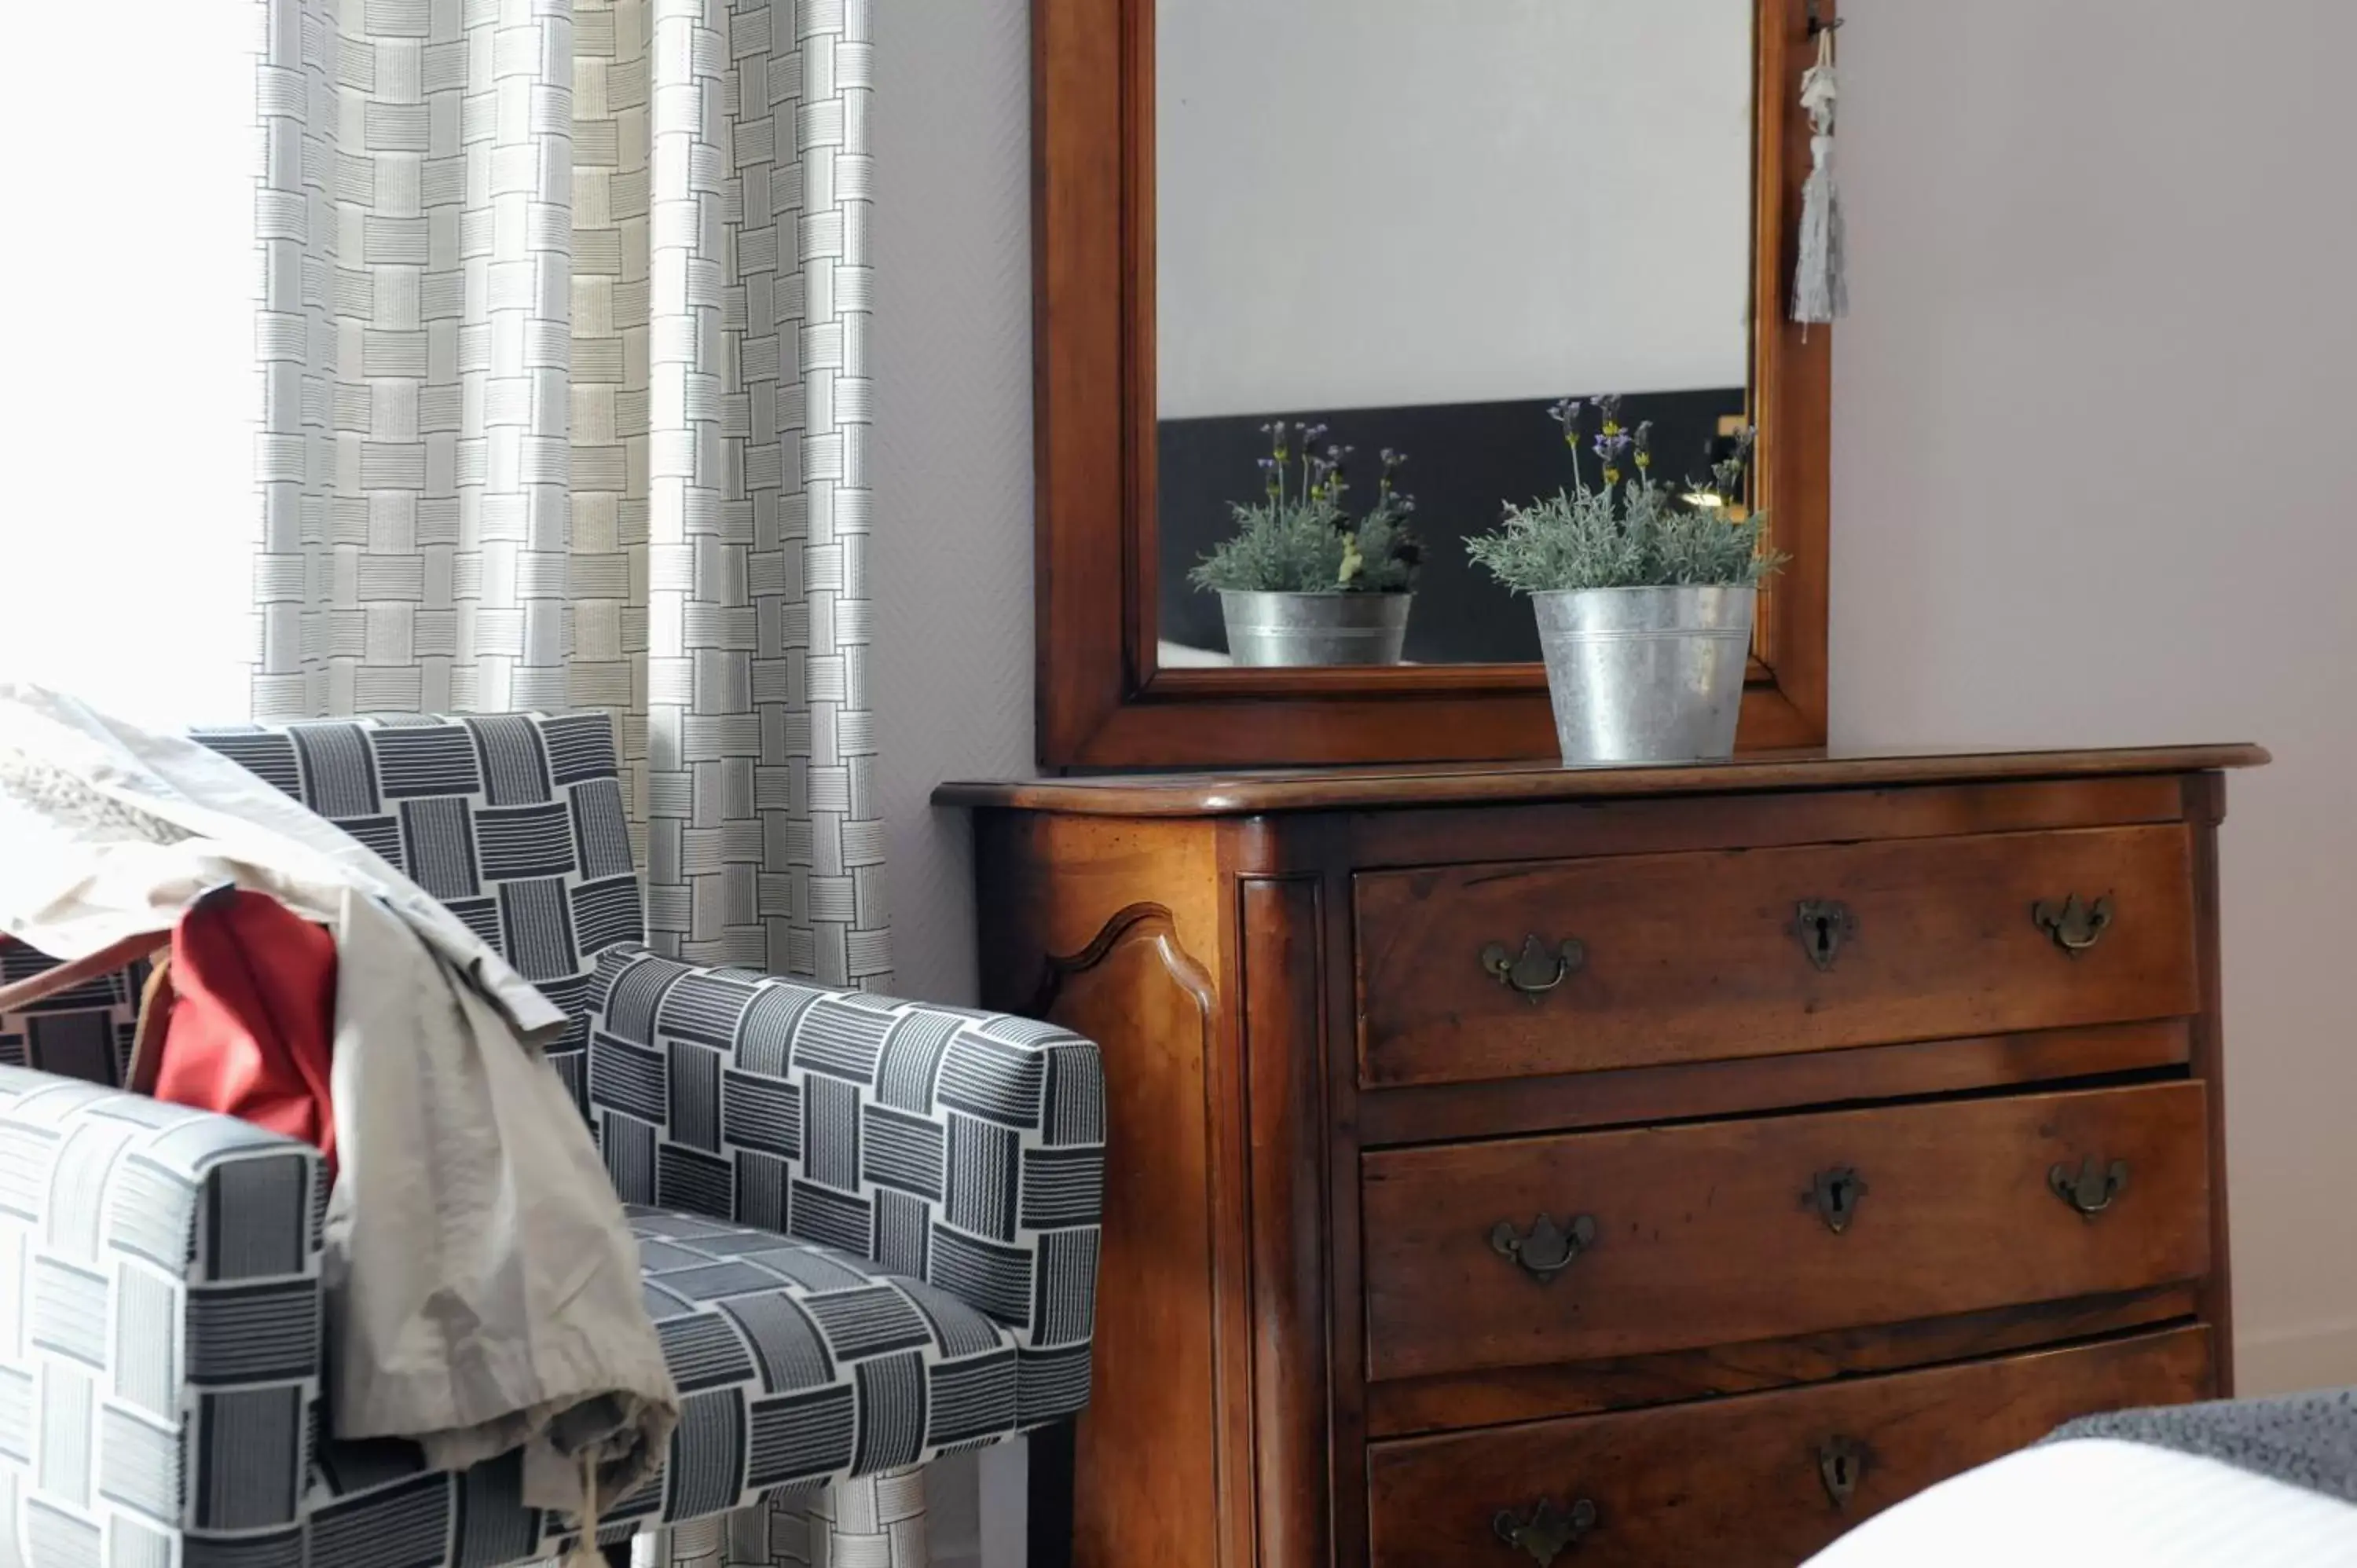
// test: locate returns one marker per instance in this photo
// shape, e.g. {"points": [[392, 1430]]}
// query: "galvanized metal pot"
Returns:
{"points": [[1292, 630], [1645, 674]]}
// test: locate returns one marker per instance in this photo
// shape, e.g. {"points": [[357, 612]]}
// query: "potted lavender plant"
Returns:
{"points": [[1303, 581], [1644, 593]]}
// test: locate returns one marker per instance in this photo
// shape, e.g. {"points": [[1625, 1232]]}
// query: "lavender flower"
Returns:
{"points": [[1729, 471], [1611, 446]]}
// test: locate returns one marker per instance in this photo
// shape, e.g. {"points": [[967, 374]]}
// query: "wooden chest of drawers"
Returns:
{"points": [[1664, 1167]]}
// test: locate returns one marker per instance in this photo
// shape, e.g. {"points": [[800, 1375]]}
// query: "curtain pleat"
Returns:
{"points": [[561, 327]]}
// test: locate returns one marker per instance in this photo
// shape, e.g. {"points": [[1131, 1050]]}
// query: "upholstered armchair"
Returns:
{"points": [[867, 1228]]}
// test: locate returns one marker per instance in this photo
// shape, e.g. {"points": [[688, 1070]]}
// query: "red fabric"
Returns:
{"points": [[253, 1021]]}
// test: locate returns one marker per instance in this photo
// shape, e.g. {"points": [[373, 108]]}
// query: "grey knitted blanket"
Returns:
{"points": [[2307, 1440]]}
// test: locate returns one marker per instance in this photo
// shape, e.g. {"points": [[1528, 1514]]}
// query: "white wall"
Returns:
{"points": [[2090, 482], [1321, 164], [2090, 485]]}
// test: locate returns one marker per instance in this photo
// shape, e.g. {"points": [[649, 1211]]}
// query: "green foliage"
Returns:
{"points": [[1307, 547], [1304, 541], [1633, 532], [1637, 538]]}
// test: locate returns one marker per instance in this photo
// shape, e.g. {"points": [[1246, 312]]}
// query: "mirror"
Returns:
{"points": [[1396, 227], [1419, 225]]}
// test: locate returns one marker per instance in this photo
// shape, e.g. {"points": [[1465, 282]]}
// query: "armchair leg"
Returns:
{"points": [[876, 1522]]}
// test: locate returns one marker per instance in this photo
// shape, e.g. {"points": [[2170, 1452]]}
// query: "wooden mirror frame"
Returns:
{"points": [[1101, 702]]}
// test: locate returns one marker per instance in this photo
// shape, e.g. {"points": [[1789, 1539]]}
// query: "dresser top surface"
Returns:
{"points": [[1252, 793]]}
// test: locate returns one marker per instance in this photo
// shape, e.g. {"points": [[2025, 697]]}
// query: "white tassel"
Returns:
{"points": [[1821, 282]]}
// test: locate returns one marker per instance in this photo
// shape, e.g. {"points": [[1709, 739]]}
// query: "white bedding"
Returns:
{"points": [[2105, 1505]]}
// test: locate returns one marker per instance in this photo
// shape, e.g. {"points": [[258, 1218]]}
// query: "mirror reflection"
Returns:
{"points": [[1391, 236]]}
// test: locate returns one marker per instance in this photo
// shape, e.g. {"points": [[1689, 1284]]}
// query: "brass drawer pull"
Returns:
{"points": [[1549, 1531], [1548, 1249], [1833, 1194], [2074, 924], [2091, 1187], [1540, 969], [1823, 925], [1842, 1464]]}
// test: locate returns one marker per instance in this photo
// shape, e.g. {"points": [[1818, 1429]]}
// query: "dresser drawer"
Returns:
{"points": [[1464, 972], [1721, 1233], [1764, 1481]]}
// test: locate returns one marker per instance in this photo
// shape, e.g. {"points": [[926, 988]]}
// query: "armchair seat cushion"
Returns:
{"points": [[798, 1362], [797, 1365]]}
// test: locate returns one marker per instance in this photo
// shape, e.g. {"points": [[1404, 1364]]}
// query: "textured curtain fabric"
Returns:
{"points": [[562, 319]]}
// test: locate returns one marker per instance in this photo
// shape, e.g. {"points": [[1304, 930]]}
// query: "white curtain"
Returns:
{"points": [[563, 316]]}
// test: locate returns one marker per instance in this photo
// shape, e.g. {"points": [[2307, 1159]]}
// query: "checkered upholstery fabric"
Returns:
{"points": [[84, 1033], [964, 1149], [159, 1331], [869, 1228], [797, 1365], [515, 822]]}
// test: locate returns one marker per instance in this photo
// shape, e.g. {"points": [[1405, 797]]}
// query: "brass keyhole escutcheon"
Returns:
{"points": [[1833, 1194], [1841, 1465], [1549, 1531], [1823, 925], [2075, 924], [1546, 1249], [1539, 969], [2091, 1187]]}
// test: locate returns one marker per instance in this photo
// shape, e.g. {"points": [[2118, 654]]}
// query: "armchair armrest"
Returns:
{"points": [[965, 1149], [160, 1323]]}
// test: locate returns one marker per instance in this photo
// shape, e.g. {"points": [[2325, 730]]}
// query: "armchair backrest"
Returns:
{"points": [[83, 1033], [515, 821]]}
